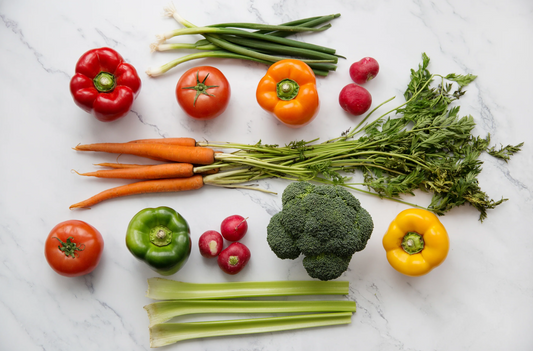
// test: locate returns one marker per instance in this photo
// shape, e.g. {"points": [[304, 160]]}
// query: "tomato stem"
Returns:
{"points": [[201, 87], [69, 248]]}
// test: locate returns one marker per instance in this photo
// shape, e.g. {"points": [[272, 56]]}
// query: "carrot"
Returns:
{"points": [[120, 165], [211, 171], [187, 154], [144, 187], [167, 170], [172, 141], [169, 141]]}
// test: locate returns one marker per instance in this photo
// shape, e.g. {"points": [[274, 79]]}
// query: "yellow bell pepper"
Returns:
{"points": [[416, 242]]}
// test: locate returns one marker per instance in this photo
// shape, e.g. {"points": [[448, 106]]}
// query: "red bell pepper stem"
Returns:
{"points": [[104, 82]]}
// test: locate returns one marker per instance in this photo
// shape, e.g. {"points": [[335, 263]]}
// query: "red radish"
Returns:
{"points": [[233, 258], [364, 70], [210, 244], [355, 99], [234, 228]]}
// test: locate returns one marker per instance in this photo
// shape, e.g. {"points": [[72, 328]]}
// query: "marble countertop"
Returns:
{"points": [[480, 298]]}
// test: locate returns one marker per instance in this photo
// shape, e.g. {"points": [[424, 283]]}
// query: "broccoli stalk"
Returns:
{"points": [[325, 223]]}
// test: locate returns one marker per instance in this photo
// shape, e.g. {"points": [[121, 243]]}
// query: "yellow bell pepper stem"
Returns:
{"points": [[416, 242]]}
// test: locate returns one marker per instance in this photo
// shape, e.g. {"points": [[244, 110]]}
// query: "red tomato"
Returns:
{"points": [[73, 248], [203, 92]]}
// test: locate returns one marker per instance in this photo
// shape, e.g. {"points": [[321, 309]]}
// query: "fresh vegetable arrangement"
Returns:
{"points": [[267, 44], [428, 147], [216, 298], [73, 248], [422, 144], [324, 223], [104, 84]]}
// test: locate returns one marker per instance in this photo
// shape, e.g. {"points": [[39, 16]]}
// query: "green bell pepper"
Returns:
{"points": [[161, 238]]}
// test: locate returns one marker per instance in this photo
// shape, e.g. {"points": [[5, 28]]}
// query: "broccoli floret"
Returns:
{"points": [[326, 266], [325, 223], [282, 243]]}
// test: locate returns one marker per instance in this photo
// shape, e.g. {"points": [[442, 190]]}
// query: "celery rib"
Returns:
{"points": [[160, 312], [169, 333], [166, 289]]}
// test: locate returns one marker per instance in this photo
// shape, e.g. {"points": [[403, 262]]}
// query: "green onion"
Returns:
{"points": [[270, 28], [155, 72], [243, 33], [165, 289], [169, 333], [267, 44], [160, 312], [278, 48], [310, 22]]}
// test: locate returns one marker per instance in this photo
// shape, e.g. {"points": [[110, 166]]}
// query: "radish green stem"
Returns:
{"points": [[160, 312], [166, 289], [169, 333]]}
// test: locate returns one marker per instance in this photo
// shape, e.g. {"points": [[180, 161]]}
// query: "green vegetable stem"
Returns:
{"points": [[267, 44], [169, 333], [425, 146], [226, 298], [166, 289]]}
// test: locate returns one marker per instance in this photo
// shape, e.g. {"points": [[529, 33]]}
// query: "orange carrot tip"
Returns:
{"points": [[162, 171], [143, 187]]}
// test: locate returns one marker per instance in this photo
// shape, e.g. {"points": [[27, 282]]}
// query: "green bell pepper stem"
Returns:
{"points": [[160, 237]]}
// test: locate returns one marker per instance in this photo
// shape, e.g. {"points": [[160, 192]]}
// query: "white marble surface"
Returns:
{"points": [[481, 298]]}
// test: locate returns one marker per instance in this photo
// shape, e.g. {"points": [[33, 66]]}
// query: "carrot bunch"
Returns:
{"points": [[178, 173]]}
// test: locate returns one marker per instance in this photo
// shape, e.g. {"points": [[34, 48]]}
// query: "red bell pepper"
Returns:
{"points": [[104, 84]]}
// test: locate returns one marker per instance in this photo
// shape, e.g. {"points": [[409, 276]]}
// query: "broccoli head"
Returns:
{"points": [[325, 223]]}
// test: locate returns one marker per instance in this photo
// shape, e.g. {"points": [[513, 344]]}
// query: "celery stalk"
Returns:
{"points": [[160, 312], [166, 289], [169, 333]]}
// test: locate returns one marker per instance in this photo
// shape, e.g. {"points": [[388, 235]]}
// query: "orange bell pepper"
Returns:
{"points": [[416, 242], [288, 91]]}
